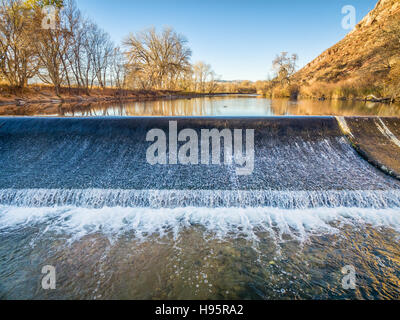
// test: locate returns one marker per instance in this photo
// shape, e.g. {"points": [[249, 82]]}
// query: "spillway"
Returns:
{"points": [[79, 194], [299, 162], [376, 140]]}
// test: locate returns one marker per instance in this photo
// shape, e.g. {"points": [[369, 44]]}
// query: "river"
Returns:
{"points": [[219, 106], [78, 194]]}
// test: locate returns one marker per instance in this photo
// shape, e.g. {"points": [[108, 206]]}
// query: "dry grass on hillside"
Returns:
{"points": [[366, 62]]}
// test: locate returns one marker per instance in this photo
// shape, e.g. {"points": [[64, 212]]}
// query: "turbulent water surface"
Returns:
{"points": [[79, 195]]}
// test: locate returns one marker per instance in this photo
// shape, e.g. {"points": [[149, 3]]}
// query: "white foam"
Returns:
{"points": [[220, 222], [98, 198]]}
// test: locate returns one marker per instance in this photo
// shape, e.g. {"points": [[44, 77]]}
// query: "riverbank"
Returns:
{"points": [[325, 91], [46, 95]]}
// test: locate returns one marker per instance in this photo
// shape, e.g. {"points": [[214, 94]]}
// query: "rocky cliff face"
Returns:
{"points": [[360, 53]]}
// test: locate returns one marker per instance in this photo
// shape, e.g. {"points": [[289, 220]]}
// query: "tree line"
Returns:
{"points": [[74, 52]]}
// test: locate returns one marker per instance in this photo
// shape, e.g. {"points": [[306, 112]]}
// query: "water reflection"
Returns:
{"points": [[334, 108], [199, 265], [209, 106]]}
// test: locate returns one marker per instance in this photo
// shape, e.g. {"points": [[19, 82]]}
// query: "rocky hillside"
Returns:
{"points": [[362, 54]]}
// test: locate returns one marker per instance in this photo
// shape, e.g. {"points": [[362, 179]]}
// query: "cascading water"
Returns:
{"points": [[72, 188]]}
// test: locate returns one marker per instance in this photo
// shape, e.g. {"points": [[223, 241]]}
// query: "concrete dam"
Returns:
{"points": [[299, 162], [178, 208]]}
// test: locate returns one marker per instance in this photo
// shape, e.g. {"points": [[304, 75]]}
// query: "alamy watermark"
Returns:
{"points": [[49, 280], [349, 280], [349, 20], [50, 16], [190, 154]]}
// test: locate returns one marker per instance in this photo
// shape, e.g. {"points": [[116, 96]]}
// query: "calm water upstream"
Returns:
{"points": [[214, 106], [78, 194]]}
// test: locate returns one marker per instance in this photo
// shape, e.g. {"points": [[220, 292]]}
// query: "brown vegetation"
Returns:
{"points": [[364, 65], [46, 94], [71, 52], [75, 57]]}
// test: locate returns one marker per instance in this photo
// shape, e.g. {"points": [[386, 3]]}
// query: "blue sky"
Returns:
{"points": [[238, 38]]}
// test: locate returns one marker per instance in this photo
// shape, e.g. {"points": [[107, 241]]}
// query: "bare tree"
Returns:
{"points": [[157, 58], [19, 59], [75, 52], [185, 80], [101, 50], [118, 69], [51, 46], [285, 66], [212, 84], [204, 78], [201, 72]]}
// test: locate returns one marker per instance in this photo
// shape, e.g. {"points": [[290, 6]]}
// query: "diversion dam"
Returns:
{"points": [[79, 194], [299, 162]]}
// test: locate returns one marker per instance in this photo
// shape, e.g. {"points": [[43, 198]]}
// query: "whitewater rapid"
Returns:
{"points": [[86, 176]]}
